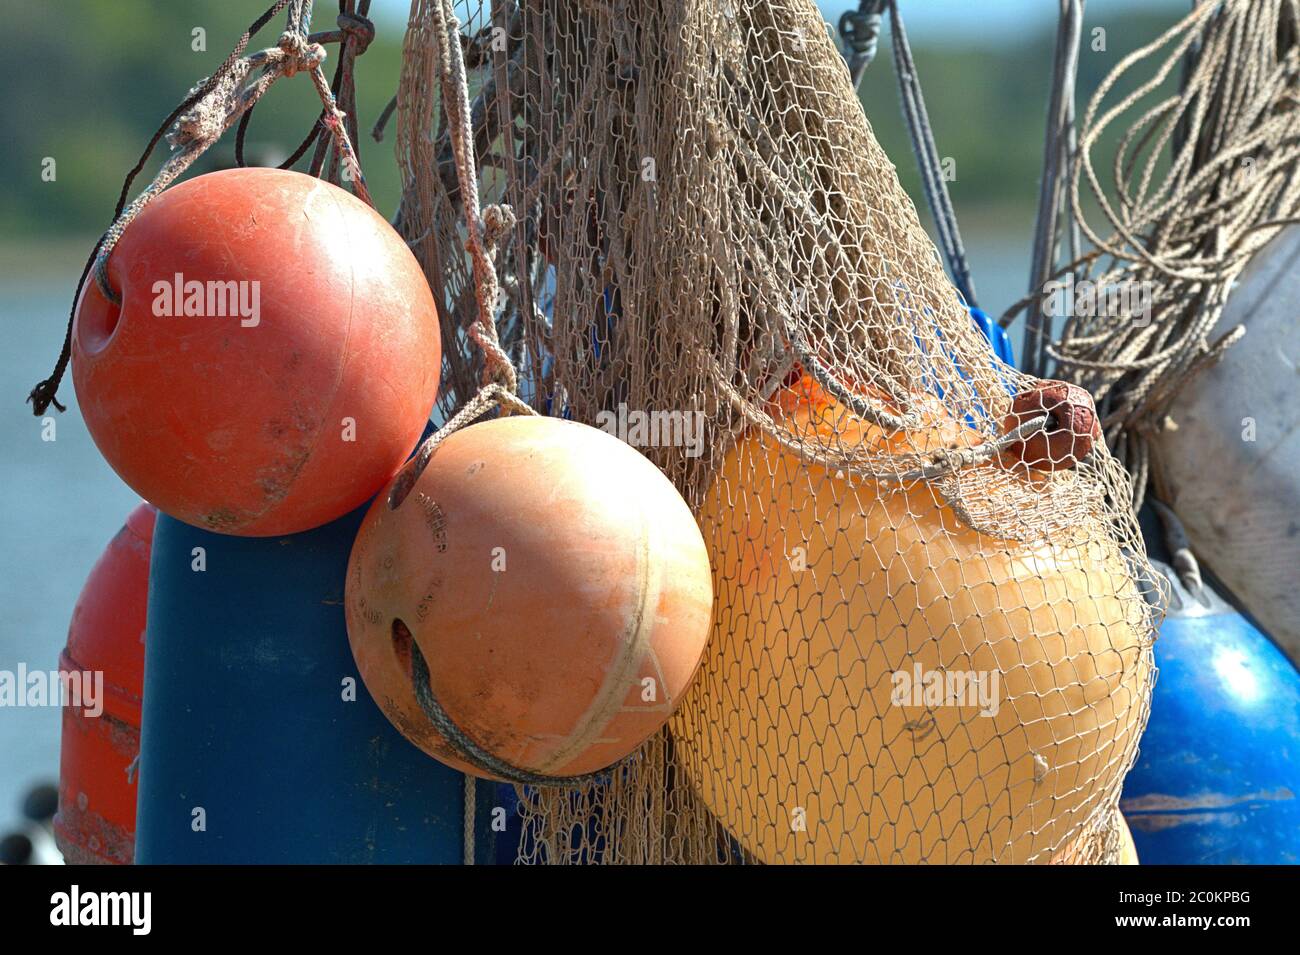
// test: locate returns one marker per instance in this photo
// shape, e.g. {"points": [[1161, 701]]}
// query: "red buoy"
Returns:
{"points": [[274, 357], [96, 817]]}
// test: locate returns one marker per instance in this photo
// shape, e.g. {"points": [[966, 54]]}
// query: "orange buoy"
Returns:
{"points": [[837, 592], [274, 357], [543, 587], [96, 817]]}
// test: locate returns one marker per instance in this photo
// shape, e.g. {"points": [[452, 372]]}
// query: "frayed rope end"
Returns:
{"points": [[43, 395]]}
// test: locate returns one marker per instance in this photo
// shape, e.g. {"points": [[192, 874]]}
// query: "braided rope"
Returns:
{"points": [[471, 800], [484, 228], [197, 129], [476, 755]]}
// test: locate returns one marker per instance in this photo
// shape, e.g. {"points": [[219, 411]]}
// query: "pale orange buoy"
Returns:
{"points": [[544, 586], [829, 586], [274, 357], [95, 822]]}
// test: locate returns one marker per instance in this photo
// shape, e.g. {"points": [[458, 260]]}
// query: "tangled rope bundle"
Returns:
{"points": [[1203, 179]]}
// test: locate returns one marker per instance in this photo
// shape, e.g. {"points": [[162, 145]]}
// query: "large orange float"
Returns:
{"points": [[274, 357], [828, 586], [96, 817], [543, 586]]}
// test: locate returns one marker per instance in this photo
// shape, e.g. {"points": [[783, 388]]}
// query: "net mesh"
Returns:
{"points": [[922, 649]]}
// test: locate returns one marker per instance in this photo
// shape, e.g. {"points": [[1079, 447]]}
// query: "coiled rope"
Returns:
{"points": [[1203, 179]]}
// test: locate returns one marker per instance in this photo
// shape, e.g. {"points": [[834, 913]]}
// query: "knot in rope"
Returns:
{"points": [[42, 396], [300, 54], [292, 43], [207, 112], [498, 220], [359, 28], [861, 28]]}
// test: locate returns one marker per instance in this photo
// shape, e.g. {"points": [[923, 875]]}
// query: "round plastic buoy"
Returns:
{"points": [[274, 357], [542, 586], [97, 791], [831, 588], [1217, 780]]}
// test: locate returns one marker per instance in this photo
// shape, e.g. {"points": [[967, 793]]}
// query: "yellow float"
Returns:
{"points": [[834, 592]]}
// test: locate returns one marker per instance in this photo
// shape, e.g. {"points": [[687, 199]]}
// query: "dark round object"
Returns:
{"points": [[41, 802], [15, 849]]}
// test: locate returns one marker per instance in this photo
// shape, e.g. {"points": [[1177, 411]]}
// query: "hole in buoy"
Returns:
{"points": [[97, 320], [411, 660], [402, 645], [401, 488], [1053, 422]]}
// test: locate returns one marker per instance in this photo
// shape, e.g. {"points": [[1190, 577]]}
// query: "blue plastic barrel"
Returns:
{"points": [[259, 742], [1217, 780]]}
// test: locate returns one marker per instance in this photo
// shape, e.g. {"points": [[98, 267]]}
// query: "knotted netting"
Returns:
{"points": [[924, 648]]}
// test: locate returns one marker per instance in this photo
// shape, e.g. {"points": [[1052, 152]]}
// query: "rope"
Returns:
{"points": [[474, 754], [861, 32], [902, 468], [471, 799], [927, 158], [859, 404], [494, 395], [1059, 150], [1182, 559], [485, 228], [43, 395], [355, 34], [1202, 181], [191, 128]]}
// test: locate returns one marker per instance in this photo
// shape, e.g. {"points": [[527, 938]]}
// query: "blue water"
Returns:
{"points": [[61, 506]]}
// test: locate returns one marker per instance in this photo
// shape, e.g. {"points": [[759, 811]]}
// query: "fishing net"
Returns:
{"points": [[698, 244]]}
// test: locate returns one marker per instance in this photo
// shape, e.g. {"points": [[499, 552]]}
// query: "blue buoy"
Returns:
{"points": [[259, 742], [1217, 780]]}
